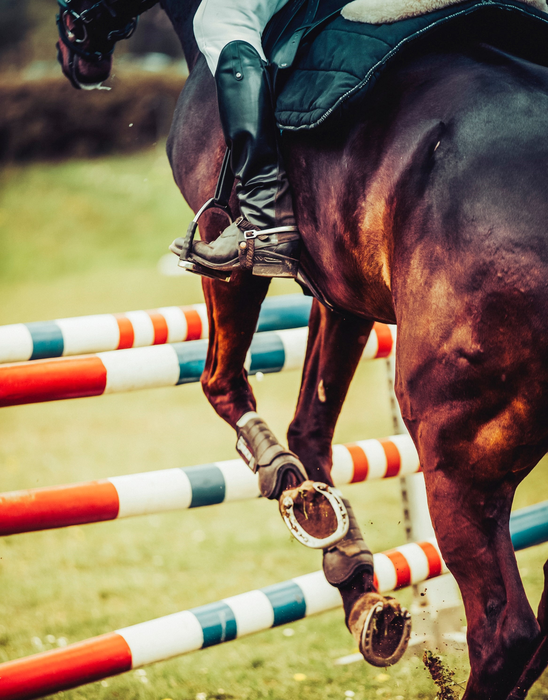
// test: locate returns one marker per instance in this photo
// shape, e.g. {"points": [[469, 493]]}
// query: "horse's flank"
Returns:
{"points": [[445, 134]]}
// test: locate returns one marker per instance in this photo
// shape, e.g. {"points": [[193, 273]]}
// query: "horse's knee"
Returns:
{"points": [[519, 635]]}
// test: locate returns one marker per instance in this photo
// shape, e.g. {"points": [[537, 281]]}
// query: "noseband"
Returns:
{"points": [[99, 26]]}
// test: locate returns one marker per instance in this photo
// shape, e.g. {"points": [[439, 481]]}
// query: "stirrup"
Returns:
{"points": [[219, 201], [185, 254]]}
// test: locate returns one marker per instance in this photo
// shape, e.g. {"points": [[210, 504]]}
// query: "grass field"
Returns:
{"points": [[85, 237]]}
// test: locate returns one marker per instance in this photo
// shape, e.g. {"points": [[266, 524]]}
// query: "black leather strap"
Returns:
{"points": [[225, 183], [281, 20], [286, 56]]}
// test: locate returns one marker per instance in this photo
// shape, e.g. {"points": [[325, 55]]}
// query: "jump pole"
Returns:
{"points": [[181, 633], [187, 487], [82, 335], [205, 626], [159, 366]]}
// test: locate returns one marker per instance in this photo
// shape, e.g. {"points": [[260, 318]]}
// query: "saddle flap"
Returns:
{"points": [[340, 61], [295, 21]]}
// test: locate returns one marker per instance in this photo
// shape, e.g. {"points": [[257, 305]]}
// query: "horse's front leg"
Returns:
{"points": [[233, 311], [539, 661], [314, 513], [380, 626]]}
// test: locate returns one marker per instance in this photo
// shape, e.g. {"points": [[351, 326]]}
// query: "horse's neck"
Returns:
{"points": [[181, 14]]}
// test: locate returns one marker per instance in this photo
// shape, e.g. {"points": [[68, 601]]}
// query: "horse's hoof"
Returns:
{"points": [[315, 514], [381, 627]]}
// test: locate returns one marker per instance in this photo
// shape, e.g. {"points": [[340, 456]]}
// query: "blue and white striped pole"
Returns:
{"points": [[82, 335]]}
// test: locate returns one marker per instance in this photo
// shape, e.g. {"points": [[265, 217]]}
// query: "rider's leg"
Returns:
{"points": [[229, 36], [218, 22]]}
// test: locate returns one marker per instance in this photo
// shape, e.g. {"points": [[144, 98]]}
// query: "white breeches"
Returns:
{"points": [[218, 22]]}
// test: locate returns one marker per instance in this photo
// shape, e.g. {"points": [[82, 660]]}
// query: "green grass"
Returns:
{"points": [[85, 237]]}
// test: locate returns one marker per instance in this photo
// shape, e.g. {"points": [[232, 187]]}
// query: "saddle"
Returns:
{"points": [[323, 60]]}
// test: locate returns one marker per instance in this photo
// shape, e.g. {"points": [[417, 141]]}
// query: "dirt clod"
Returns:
{"points": [[441, 675]]}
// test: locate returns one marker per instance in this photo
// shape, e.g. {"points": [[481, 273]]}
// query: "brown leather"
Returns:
{"points": [[232, 248]]}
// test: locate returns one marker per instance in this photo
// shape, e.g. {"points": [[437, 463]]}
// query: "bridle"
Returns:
{"points": [[99, 26]]}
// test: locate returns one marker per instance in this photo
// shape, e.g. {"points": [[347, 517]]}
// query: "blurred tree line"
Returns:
{"points": [[42, 116], [28, 33]]}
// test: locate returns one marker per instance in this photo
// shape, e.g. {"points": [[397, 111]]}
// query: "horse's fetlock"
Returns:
{"points": [[520, 639]]}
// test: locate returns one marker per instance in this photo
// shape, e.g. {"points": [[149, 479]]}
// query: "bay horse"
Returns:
{"points": [[427, 210]]}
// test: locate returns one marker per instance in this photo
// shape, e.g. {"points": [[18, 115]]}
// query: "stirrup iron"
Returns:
{"points": [[220, 200]]}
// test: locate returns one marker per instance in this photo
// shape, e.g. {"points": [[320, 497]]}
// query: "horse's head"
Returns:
{"points": [[88, 32]]}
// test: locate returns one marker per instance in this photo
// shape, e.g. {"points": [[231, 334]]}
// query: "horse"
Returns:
{"points": [[427, 210]]}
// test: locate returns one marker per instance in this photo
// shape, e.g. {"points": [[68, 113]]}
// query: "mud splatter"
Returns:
{"points": [[441, 675]]}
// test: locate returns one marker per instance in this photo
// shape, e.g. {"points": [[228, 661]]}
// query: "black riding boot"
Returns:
{"points": [[265, 238]]}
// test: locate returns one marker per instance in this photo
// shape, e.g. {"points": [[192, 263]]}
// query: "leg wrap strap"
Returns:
{"points": [[263, 453], [349, 556]]}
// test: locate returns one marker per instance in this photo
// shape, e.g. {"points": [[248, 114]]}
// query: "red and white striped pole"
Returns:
{"points": [[164, 365], [187, 487]]}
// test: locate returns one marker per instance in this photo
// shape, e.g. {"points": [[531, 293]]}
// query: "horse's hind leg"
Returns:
{"points": [[471, 523], [539, 661], [381, 627], [470, 487]]}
